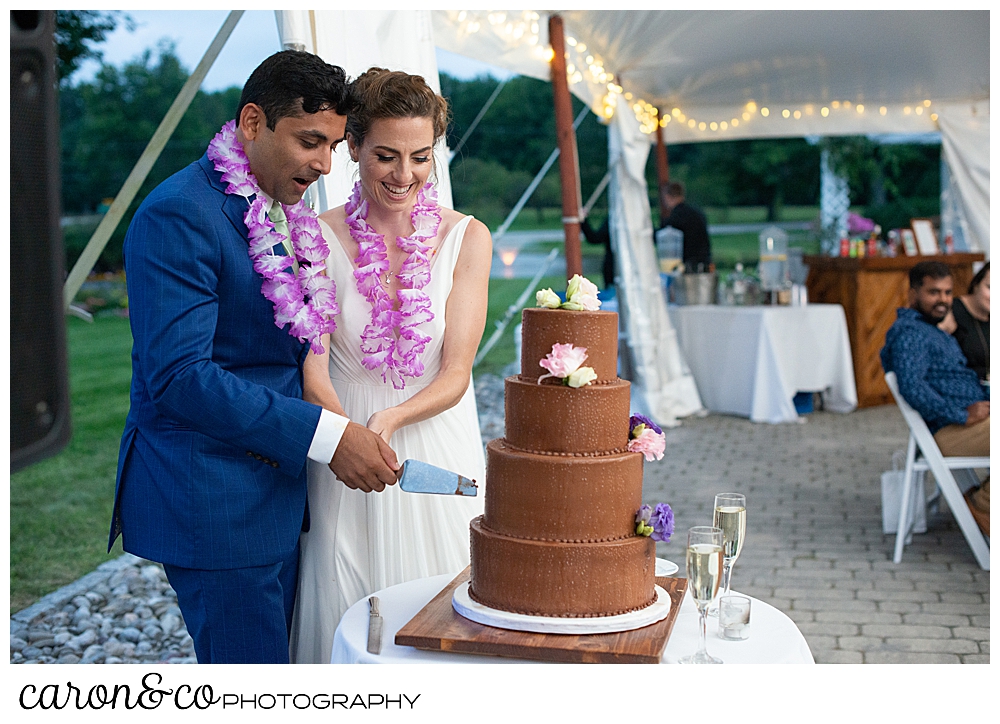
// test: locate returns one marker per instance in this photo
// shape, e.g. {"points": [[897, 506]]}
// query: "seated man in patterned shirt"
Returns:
{"points": [[934, 379]]}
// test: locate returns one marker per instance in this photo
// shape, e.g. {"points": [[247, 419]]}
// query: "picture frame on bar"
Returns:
{"points": [[926, 239], [909, 242]]}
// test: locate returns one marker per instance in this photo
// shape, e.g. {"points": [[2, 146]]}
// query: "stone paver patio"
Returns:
{"points": [[815, 547]]}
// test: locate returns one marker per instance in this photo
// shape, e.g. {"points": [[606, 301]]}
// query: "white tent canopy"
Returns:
{"points": [[709, 64], [724, 75], [713, 75]]}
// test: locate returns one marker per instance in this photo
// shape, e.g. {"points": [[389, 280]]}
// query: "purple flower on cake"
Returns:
{"points": [[642, 526], [564, 362], [646, 437], [637, 419], [662, 521], [657, 524]]}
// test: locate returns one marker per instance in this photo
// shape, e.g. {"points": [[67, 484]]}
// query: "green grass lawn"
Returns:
{"points": [[60, 508]]}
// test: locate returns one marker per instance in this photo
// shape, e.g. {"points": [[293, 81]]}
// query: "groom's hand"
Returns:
{"points": [[363, 461]]}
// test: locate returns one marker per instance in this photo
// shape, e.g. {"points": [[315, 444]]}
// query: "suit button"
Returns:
{"points": [[259, 456], [274, 465], [249, 454]]}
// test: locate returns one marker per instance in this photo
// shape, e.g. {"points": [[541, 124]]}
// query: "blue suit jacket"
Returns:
{"points": [[211, 470]]}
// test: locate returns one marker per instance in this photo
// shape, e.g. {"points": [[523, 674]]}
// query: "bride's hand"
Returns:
{"points": [[382, 423]]}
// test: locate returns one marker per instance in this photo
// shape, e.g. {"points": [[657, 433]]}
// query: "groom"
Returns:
{"points": [[212, 465]]}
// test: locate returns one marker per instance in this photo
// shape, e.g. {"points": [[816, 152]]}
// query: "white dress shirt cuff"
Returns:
{"points": [[327, 436]]}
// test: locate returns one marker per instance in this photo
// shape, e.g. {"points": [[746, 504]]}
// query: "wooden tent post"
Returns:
{"points": [[662, 168], [569, 166]]}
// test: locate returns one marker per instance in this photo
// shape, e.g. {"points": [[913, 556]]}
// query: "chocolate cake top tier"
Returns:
{"points": [[597, 331]]}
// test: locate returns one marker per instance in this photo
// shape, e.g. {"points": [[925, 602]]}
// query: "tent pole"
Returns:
{"points": [[144, 165], [662, 167], [569, 165]]}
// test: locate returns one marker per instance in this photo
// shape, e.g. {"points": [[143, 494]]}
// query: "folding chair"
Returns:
{"points": [[932, 459]]}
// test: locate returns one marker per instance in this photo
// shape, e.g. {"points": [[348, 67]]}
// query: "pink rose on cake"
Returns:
{"points": [[646, 437], [564, 362]]}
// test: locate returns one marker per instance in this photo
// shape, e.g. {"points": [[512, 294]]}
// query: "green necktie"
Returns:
{"points": [[280, 221]]}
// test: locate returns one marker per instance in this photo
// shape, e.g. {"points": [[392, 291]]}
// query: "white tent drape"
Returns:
{"points": [[660, 377], [356, 41], [965, 142]]}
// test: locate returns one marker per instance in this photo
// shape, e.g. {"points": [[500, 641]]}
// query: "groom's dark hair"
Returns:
{"points": [[291, 81]]}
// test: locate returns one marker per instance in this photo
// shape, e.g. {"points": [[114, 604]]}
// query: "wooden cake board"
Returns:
{"points": [[437, 627]]}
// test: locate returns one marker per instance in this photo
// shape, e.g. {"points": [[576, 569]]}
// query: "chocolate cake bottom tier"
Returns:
{"points": [[564, 580]]}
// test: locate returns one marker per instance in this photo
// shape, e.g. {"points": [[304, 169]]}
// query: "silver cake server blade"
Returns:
{"points": [[374, 627], [420, 477]]}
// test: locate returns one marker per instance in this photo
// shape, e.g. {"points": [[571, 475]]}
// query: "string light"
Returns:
{"points": [[516, 28]]}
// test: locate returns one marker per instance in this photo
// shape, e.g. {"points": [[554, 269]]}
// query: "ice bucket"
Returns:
{"points": [[698, 288]]}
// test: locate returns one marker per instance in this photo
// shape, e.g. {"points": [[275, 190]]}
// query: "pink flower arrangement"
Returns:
{"points": [[646, 437], [564, 362]]}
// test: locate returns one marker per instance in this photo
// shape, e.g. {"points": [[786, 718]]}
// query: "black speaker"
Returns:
{"points": [[39, 388]]}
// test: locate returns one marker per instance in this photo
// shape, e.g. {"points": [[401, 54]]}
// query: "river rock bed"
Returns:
{"points": [[125, 612]]}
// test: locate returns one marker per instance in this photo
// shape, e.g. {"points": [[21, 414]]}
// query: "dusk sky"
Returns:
{"points": [[255, 37]]}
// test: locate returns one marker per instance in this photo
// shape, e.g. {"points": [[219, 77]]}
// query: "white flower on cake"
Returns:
{"points": [[547, 298], [581, 295], [581, 376], [564, 362]]}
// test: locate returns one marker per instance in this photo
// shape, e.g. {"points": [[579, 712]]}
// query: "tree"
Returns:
{"points": [[518, 132], [107, 123], [77, 33]]}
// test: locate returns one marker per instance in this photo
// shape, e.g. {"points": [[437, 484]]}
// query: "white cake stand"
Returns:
{"points": [[475, 611]]}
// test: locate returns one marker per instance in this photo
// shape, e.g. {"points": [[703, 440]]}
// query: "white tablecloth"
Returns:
{"points": [[751, 361], [774, 638]]}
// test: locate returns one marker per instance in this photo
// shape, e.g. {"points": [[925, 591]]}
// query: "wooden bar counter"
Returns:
{"points": [[871, 289]]}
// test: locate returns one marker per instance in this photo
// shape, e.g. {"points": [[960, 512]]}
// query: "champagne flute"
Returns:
{"points": [[731, 516], [704, 567]]}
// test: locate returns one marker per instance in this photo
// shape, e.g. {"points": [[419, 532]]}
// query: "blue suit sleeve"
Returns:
{"points": [[173, 261], [912, 379]]}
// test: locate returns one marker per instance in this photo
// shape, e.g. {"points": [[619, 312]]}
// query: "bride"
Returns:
{"points": [[400, 360]]}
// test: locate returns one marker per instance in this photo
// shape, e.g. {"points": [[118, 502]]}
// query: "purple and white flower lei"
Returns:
{"points": [[391, 341], [306, 299]]}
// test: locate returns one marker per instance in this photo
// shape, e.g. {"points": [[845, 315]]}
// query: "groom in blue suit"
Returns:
{"points": [[212, 466]]}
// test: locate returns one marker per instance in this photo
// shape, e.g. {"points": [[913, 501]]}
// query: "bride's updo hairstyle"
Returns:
{"points": [[379, 93]]}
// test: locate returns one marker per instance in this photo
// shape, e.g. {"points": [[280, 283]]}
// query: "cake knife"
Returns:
{"points": [[420, 477], [374, 627]]}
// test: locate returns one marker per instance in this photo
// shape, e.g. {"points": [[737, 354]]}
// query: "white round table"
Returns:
{"points": [[774, 638]]}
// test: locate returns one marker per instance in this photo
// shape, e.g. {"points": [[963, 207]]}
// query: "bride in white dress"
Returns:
{"points": [[361, 542]]}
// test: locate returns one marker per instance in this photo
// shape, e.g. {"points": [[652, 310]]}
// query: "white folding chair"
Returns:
{"points": [[931, 459]]}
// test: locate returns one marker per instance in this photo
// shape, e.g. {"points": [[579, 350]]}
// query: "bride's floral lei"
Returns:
{"points": [[306, 298], [391, 340]]}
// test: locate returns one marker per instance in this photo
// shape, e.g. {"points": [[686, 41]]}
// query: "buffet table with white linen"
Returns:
{"points": [[751, 361], [774, 638]]}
